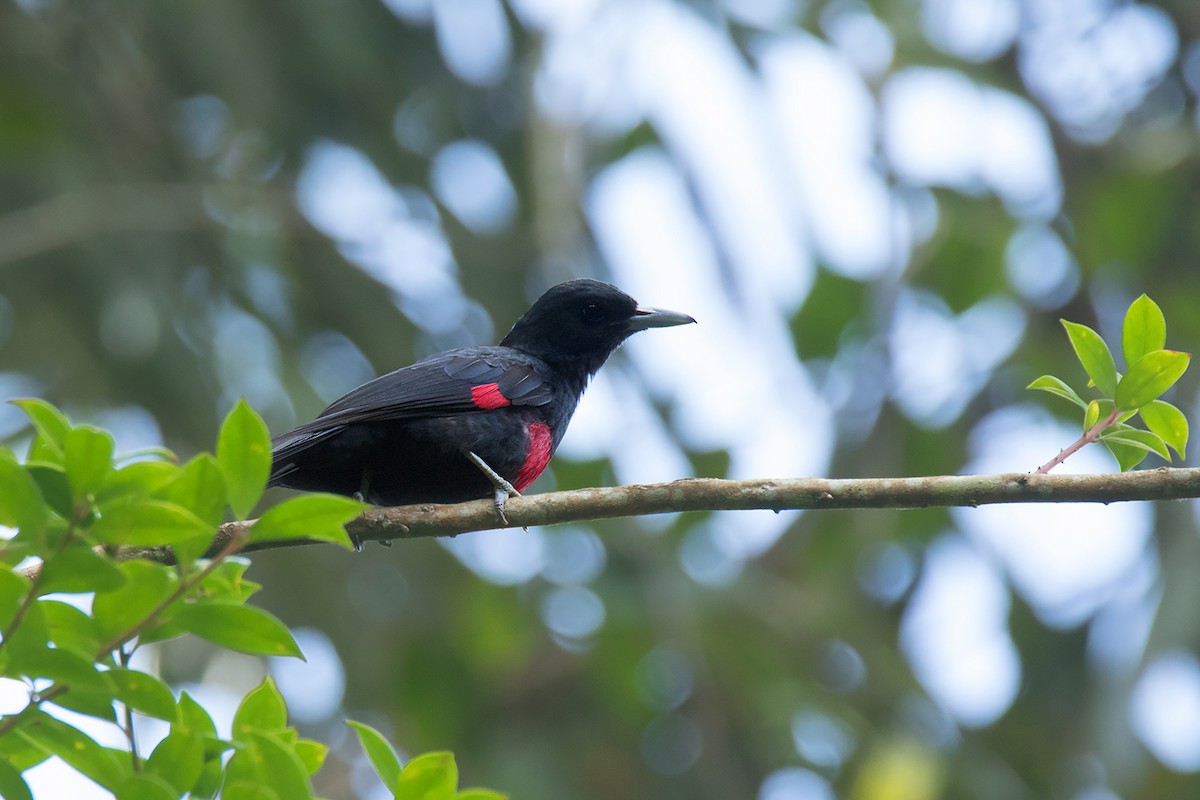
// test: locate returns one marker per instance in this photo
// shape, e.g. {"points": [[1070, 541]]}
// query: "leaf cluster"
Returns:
{"points": [[432, 776], [1151, 371], [72, 506]]}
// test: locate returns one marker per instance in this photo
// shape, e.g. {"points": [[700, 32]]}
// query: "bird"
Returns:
{"points": [[468, 423]]}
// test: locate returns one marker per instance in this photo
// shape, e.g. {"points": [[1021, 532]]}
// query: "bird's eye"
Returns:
{"points": [[592, 312]]}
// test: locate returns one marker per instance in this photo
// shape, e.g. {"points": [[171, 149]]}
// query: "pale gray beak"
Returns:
{"points": [[644, 318]]}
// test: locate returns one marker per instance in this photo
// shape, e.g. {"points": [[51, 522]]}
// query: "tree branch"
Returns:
{"points": [[711, 494]]}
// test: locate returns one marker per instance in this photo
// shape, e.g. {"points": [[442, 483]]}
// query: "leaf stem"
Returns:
{"points": [[22, 610], [32, 594], [232, 546], [7, 724], [1092, 434], [130, 734]]}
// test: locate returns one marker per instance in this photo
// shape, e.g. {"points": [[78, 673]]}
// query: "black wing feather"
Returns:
{"points": [[439, 386]]}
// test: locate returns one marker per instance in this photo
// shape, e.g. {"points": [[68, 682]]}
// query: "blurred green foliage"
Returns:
{"points": [[154, 261]]}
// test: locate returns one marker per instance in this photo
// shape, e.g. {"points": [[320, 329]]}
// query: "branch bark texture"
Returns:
{"points": [[710, 494]]}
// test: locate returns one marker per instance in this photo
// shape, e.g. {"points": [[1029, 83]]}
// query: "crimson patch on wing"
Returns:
{"points": [[488, 396]]}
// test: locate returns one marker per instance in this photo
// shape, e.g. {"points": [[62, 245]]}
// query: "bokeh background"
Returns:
{"points": [[877, 210]]}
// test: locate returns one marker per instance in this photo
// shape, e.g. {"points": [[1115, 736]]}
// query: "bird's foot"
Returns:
{"points": [[503, 489], [355, 540], [498, 501]]}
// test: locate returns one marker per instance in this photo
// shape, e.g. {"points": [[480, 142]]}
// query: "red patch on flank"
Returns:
{"points": [[488, 396], [541, 443]]}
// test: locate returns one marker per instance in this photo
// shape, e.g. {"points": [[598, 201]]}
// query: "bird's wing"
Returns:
{"points": [[452, 383]]}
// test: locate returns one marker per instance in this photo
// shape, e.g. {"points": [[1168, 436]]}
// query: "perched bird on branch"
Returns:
{"points": [[472, 422]]}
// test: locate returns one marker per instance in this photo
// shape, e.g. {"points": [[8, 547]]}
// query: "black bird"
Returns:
{"points": [[472, 422]]}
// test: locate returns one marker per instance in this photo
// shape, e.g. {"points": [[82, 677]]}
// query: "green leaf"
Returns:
{"points": [[147, 523], [27, 639], [244, 454], [52, 482], [312, 753], [158, 453], [19, 753], [264, 762], [432, 776], [1127, 457], [89, 691], [1133, 437], [13, 588], [1149, 377], [1091, 415], [380, 753], [227, 583], [200, 488], [480, 794], [178, 759], [140, 479], [65, 667], [309, 516], [143, 692], [50, 423], [87, 458], [80, 752], [194, 722], [44, 453], [21, 502], [12, 785], [193, 719], [79, 569], [1104, 408], [213, 773], [242, 628], [145, 787], [70, 629], [1094, 355], [93, 704], [1168, 422], [261, 711], [1145, 329], [1053, 385], [146, 586]]}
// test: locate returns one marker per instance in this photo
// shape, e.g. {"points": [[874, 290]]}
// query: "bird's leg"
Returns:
{"points": [[503, 489], [361, 496], [364, 486]]}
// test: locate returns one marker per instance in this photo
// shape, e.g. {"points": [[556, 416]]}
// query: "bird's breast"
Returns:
{"points": [[537, 454]]}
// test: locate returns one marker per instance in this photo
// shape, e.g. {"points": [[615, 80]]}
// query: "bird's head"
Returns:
{"points": [[582, 322]]}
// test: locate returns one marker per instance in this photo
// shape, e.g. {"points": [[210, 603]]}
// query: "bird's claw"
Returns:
{"points": [[359, 544], [498, 500], [503, 489]]}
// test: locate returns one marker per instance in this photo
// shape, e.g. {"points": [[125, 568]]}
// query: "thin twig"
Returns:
{"points": [[12, 721], [231, 545], [1092, 434], [35, 578], [123, 657]]}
